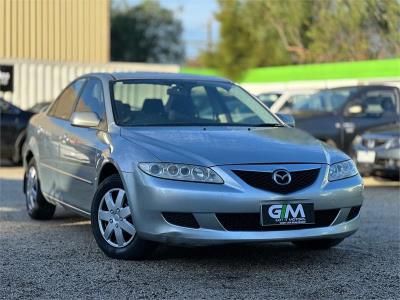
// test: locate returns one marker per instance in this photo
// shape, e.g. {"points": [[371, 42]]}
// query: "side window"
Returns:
{"points": [[379, 102], [375, 103], [92, 99], [64, 104]]}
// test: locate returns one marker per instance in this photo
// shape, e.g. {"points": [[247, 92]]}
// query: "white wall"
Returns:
{"points": [[258, 88], [37, 81]]}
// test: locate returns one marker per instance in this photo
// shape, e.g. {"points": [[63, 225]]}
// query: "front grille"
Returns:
{"points": [[181, 219], [251, 221], [264, 180], [354, 211]]}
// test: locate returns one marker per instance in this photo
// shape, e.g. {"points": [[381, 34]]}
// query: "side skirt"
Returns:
{"points": [[67, 206]]}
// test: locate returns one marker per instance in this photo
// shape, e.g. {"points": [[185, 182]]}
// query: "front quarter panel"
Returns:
{"points": [[124, 154]]}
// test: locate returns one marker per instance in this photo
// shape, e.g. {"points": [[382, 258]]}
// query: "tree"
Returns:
{"points": [[291, 19], [272, 32], [232, 55], [243, 43], [146, 33]]}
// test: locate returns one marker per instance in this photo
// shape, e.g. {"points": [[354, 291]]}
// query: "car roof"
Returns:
{"points": [[362, 87], [159, 75]]}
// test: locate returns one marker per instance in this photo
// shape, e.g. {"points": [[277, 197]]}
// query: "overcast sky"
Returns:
{"points": [[194, 15]]}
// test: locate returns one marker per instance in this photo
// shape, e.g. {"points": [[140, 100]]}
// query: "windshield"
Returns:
{"points": [[186, 103], [323, 101], [269, 98]]}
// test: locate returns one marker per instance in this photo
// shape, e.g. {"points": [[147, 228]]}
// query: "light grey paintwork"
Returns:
{"points": [[70, 160]]}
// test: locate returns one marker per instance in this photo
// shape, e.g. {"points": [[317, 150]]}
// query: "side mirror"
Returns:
{"points": [[287, 119], [85, 119], [355, 109]]}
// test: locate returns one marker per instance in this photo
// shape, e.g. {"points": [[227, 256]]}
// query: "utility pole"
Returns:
{"points": [[209, 35]]}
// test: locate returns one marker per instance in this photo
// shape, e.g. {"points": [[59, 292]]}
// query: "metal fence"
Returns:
{"points": [[36, 81]]}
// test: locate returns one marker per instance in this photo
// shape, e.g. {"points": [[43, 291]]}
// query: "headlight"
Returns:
{"points": [[393, 143], [181, 172], [342, 170]]}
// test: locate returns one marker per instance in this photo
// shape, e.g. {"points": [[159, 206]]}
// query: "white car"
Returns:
{"points": [[282, 101]]}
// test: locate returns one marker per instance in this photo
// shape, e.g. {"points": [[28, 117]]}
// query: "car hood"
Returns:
{"points": [[232, 145], [391, 130]]}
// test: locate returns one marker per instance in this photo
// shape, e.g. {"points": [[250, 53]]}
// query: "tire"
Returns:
{"points": [[112, 223], [318, 244], [37, 206]]}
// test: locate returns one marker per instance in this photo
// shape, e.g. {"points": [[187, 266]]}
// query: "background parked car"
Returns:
{"points": [[277, 100], [286, 99], [269, 98], [13, 123], [337, 116], [38, 107], [378, 151]]}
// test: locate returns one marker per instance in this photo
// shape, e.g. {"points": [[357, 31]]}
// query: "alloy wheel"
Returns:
{"points": [[115, 218]]}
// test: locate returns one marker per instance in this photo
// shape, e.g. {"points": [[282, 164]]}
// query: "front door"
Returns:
{"points": [[81, 148]]}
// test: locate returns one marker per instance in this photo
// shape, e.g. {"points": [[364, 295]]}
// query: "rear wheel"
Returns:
{"points": [[113, 224], [37, 206], [318, 244]]}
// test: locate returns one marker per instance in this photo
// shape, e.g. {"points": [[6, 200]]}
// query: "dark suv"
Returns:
{"points": [[337, 116]]}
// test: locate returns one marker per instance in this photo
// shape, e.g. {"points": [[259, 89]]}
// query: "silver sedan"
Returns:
{"points": [[186, 160]]}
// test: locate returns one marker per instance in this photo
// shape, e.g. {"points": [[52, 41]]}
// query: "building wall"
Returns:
{"points": [[38, 81], [55, 30]]}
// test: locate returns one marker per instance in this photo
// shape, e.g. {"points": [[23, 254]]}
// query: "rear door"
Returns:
{"points": [[51, 135], [372, 108]]}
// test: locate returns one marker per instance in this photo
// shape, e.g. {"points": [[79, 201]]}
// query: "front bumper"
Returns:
{"points": [[150, 197]]}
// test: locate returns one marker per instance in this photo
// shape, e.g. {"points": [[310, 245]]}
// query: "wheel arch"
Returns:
{"points": [[27, 158], [106, 170], [18, 144]]}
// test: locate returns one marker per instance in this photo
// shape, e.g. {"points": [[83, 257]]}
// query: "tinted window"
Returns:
{"points": [[91, 99], [186, 103], [63, 106]]}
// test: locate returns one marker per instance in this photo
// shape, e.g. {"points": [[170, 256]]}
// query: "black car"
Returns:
{"points": [[339, 115], [377, 151], [13, 123]]}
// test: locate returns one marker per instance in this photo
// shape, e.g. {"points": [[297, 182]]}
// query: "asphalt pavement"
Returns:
{"points": [[60, 259]]}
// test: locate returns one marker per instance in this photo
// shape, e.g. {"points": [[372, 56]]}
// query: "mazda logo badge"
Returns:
{"points": [[281, 177]]}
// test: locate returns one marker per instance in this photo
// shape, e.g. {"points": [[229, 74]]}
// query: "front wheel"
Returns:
{"points": [[113, 224], [318, 244]]}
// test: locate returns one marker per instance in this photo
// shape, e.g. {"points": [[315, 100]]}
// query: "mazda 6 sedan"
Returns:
{"points": [[186, 160]]}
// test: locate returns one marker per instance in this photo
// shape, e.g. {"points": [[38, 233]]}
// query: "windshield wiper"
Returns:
{"points": [[268, 125]]}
